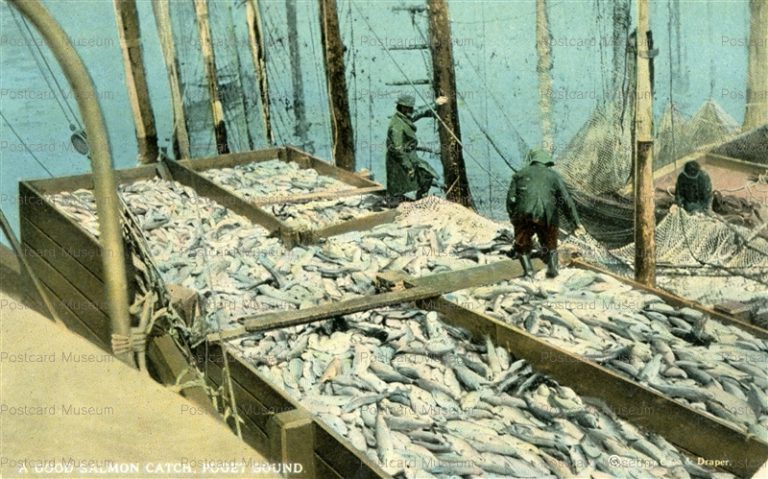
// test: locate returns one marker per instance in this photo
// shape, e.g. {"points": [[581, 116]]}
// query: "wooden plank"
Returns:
{"points": [[85, 181], [232, 159], [92, 316], [327, 169], [207, 188], [420, 289], [324, 470], [284, 319], [253, 435], [171, 362], [343, 459], [89, 285], [700, 433], [679, 301], [73, 239], [473, 277], [292, 441], [318, 195], [248, 377], [357, 224], [248, 404]]}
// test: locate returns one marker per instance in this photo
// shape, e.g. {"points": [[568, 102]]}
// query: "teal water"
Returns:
{"points": [[494, 50]]}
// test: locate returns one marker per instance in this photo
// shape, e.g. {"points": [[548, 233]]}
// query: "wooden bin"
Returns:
{"points": [[189, 170], [67, 259], [279, 427]]}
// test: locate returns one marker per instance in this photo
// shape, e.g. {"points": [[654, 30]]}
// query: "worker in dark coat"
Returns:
{"points": [[693, 191], [407, 172], [535, 194]]}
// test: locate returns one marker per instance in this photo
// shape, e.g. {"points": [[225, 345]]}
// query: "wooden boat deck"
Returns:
{"points": [[129, 421]]}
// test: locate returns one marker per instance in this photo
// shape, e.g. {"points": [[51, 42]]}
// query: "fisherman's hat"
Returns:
{"points": [[406, 100], [539, 156]]}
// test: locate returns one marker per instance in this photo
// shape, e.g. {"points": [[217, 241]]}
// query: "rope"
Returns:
{"points": [[50, 70], [474, 118]]}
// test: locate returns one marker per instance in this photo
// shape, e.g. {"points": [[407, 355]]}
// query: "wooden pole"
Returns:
{"points": [[645, 221], [756, 113], [544, 68], [239, 67], [444, 80], [180, 135], [301, 127], [209, 64], [129, 32], [256, 39], [333, 54]]}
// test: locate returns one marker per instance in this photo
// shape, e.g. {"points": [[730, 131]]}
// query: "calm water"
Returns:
{"points": [[495, 55]]}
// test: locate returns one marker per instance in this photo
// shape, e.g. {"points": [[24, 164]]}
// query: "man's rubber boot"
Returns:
{"points": [[525, 260], [552, 264]]}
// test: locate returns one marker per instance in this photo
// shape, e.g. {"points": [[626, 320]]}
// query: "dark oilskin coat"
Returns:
{"points": [[693, 190], [537, 191], [401, 154]]}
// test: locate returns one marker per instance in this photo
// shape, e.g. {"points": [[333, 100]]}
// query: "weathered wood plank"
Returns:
{"points": [[422, 288], [283, 319], [91, 286], [207, 188], [679, 301], [232, 159], [169, 361], [327, 169], [248, 404], [357, 224], [473, 277], [68, 294], [700, 433], [293, 441], [344, 460], [324, 470], [73, 239], [318, 195], [85, 181]]}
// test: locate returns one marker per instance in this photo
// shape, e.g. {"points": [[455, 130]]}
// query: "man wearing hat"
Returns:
{"points": [[693, 190], [534, 195], [407, 172]]}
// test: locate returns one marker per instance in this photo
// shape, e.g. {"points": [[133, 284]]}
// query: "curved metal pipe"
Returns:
{"points": [[112, 252]]}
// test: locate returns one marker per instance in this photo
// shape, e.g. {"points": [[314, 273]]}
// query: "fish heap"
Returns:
{"points": [[194, 242], [712, 367], [261, 180], [239, 271], [420, 399], [317, 214]]}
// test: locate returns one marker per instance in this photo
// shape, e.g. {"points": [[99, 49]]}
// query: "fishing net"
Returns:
{"points": [[751, 146], [692, 239]]}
